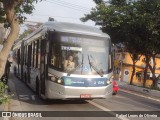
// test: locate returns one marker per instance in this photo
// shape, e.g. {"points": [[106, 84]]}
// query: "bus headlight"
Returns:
{"points": [[56, 80], [59, 81]]}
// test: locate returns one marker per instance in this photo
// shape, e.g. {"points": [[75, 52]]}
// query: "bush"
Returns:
{"points": [[4, 97]]}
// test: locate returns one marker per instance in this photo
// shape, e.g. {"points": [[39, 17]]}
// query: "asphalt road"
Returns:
{"points": [[24, 99]]}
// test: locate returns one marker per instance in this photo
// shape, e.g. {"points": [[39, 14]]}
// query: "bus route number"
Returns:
{"points": [[99, 82]]}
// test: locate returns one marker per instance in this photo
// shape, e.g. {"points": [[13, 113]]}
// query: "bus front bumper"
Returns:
{"points": [[68, 92]]}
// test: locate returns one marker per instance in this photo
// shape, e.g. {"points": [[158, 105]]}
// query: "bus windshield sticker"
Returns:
{"points": [[82, 41], [71, 48], [68, 81]]}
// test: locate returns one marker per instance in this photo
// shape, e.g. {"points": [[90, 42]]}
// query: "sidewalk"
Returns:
{"points": [[14, 103], [146, 91], [4, 107]]}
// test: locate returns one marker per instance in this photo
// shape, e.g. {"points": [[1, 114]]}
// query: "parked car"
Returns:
{"points": [[115, 88]]}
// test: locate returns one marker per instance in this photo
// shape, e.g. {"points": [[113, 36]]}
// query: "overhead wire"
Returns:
{"points": [[68, 6], [71, 4]]}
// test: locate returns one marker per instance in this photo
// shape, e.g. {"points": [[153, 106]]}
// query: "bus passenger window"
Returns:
{"points": [[34, 54], [29, 55], [36, 50], [32, 57], [39, 54], [18, 56], [26, 53]]}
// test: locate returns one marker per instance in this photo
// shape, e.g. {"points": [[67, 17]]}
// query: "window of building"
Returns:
{"points": [[139, 76]]}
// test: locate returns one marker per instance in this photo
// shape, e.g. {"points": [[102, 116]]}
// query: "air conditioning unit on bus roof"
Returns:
{"points": [[51, 19]]}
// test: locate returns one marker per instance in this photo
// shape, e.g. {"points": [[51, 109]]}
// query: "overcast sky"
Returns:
{"points": [[61, 10]]}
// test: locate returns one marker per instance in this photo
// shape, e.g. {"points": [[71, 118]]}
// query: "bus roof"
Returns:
{"points": [[74, 28], [62, 27], [17, 45]]}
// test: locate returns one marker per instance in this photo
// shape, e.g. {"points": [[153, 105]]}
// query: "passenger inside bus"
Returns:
{"points": [[69, 64], [53, 60]]}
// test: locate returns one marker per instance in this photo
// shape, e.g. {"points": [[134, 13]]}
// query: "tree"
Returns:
{"points": [[132, 23], [12, 15]]}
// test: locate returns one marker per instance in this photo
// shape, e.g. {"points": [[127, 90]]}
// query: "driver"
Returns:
{"points": [[69, 64]]}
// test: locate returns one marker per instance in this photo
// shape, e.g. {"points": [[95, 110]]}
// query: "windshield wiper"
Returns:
{"points": [[79, 65], [94, 67], [82, 64]]}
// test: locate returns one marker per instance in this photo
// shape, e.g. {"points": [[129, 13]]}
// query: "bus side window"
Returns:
{"points": [[29, 55], [39, 52], [33, 53], [18, 56], [26, 55], [36, 50]]}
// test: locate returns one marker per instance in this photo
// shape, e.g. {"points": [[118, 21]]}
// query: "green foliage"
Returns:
{"points": [[133, 23], [12, 12], [21, 8], [3, 96]]}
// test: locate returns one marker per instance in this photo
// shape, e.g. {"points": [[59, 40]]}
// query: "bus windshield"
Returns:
{"points": [[79, 54]]}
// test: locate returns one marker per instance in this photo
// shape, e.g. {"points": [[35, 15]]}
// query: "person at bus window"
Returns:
{"points": [[53, 60], [69, 64]]}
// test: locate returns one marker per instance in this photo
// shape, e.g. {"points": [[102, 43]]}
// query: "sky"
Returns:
{"points": [[61, 10]]}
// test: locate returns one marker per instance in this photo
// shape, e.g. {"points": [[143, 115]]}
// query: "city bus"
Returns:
{"points": [[41, 61]]}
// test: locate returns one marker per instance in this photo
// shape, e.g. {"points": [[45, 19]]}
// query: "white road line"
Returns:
{"points": [[140, 95], [105, 109]]}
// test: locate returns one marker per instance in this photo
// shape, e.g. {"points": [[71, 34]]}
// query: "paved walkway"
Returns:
{"points": [[146, 91], [1, 107]]}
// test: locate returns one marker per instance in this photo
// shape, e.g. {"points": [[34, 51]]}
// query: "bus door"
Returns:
{"points": [[43, 64]]}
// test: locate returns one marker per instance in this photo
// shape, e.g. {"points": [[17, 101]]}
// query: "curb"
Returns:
{"points": [[146, 91]]}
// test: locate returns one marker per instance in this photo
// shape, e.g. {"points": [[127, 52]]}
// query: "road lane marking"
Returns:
{"points": [[27, 97], [24, 97], [140, 95], [33, 97], [105, 109]]}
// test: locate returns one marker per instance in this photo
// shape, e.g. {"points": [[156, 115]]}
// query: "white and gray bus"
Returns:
{"points": [[40, 61]]}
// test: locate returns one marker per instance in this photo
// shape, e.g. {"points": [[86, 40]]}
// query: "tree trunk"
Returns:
{"points": [[135, 57], [133, 72], [7, 45], [146, 69], [145, 75], [153, 69]]}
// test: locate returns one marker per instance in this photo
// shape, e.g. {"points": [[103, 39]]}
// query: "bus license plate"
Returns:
{"points": [[85, 95]]}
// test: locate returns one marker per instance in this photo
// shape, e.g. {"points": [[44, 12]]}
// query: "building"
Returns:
{"points": [[123, 69]]}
